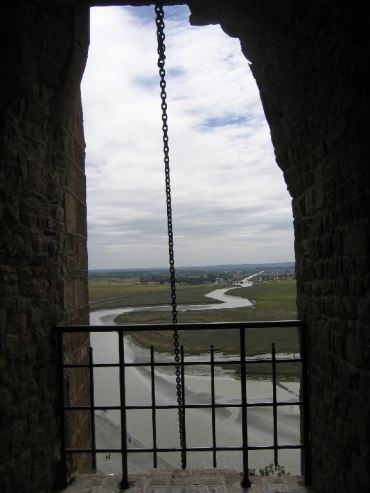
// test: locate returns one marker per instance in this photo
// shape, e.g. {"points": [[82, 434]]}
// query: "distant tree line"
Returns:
{"points": [[183, 278]]}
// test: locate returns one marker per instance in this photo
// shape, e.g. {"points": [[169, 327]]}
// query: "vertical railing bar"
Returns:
{"points": [[63, 456], [214, 444], [92, 412], [243, 381], [154, 417], [124, 484], [274, 403], [183, 423], [306, 421]]}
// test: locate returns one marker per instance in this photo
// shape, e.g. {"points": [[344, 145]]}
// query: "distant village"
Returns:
{"points": [[262, 276]]}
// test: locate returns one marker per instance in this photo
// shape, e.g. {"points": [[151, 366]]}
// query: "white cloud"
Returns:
{"points": [[229, 199]]}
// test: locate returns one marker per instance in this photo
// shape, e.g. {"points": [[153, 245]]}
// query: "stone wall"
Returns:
{"points": [[43, 260], [310, 65]]}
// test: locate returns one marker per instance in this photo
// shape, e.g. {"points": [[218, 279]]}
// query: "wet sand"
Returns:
{"points": [[197, 391]]}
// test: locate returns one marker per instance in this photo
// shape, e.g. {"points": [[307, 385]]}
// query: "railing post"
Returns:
{"points": [[274, 404], [92, 410], [214, 443], [154, 417], [306, 420], [124, 484], [183, 422], [246, 483], [62, 481]]}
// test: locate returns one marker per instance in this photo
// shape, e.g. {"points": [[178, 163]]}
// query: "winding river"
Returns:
{"points": [[197, 391], [227, 301]]}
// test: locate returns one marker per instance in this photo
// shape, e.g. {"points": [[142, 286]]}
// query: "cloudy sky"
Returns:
{"points": [[230, 203]]}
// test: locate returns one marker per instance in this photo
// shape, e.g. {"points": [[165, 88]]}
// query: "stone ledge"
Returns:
{"points": [[192, 481]]}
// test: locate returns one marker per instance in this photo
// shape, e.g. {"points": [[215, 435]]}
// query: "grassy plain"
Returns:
{"points": [[273, 300], [105, 293]]}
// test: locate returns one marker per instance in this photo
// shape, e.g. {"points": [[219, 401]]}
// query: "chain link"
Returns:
{"points": [[176, 344]]}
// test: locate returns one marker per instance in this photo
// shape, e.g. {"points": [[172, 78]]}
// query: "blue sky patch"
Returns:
{"points": [[146, 82], [175, 72], [223, 121], [146, 14]]}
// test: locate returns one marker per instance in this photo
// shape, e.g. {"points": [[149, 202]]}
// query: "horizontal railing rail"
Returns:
{"points": [[241, 361]]}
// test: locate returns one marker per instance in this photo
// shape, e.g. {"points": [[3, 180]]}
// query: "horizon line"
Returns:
{"points": [[194, 266]]}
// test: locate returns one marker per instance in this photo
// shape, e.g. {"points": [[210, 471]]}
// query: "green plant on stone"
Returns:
{"points": [[272, 470]]}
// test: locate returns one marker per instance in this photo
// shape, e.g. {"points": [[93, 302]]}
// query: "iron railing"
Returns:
{"points": [[240, 361]]}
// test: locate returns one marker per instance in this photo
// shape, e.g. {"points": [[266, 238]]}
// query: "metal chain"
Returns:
{"points": [[176, 344]]}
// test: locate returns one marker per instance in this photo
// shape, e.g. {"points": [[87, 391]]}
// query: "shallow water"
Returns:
{"points": [[198, 422], [106, 317]]}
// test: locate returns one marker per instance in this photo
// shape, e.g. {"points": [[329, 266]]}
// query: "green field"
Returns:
{"points": [[273, 300], [104, 293]]}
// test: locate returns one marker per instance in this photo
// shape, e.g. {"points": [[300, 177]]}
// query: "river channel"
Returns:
{"points": [[197, 391]]}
